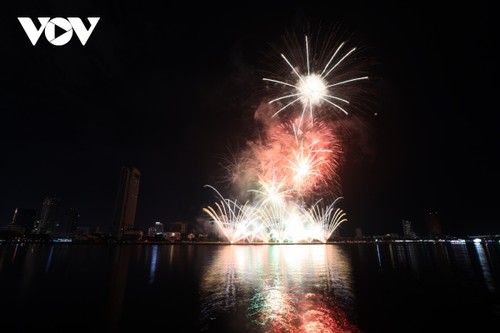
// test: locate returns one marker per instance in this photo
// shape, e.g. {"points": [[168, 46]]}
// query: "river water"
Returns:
{"points": [[363, 287]]}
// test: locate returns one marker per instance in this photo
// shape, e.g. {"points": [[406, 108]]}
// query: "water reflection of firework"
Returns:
{"points": [[279, 289]]}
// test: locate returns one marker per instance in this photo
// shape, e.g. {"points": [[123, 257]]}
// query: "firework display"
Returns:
{"points": [[313, 89], [289, 171]]}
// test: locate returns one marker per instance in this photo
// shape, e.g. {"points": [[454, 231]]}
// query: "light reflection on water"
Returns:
{"points": [[279, 288], [485, 267], [251, 288], [154, 263]]}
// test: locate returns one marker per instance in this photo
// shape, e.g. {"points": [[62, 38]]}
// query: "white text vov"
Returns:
{"points": [[49, 26]]}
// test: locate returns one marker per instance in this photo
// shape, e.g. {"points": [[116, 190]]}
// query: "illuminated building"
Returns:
{"points": [[408, 230], [156, 230], [151, 231], [126, 201]]}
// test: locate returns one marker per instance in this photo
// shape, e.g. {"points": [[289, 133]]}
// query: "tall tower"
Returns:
{"points": [[48, 215], [126, 201]]}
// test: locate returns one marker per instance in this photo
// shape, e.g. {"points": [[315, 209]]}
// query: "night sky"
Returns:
{"points": [[169, 89]]}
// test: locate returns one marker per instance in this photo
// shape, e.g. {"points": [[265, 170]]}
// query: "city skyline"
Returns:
{"points": [[174, 99], [28, 223]]}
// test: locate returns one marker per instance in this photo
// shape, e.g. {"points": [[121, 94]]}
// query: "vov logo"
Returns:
{"points": [[65, 27]]}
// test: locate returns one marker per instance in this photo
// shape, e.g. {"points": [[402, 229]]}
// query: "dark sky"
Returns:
{"points": [[168, 89]]}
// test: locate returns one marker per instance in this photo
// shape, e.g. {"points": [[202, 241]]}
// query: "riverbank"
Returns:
{"points": [[470, 239]]}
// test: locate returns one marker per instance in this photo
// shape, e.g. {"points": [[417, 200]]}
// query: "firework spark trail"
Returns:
{"points": [[307, 166], [272, 217], [281, 221], [312, 89], [326, 219], [302, 161], [310, 156], [272, 190]]}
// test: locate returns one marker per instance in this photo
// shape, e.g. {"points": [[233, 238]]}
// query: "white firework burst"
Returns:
{"points": [[314, 88]]}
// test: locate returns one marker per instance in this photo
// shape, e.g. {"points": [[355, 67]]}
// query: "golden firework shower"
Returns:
{"points": [[294, 165]]}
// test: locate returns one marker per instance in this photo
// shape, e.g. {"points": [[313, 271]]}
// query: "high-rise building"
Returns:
{"points": [[408, 230], [24, 218], [156, 230], [126, 201], [151, 232], [48, 215]]}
